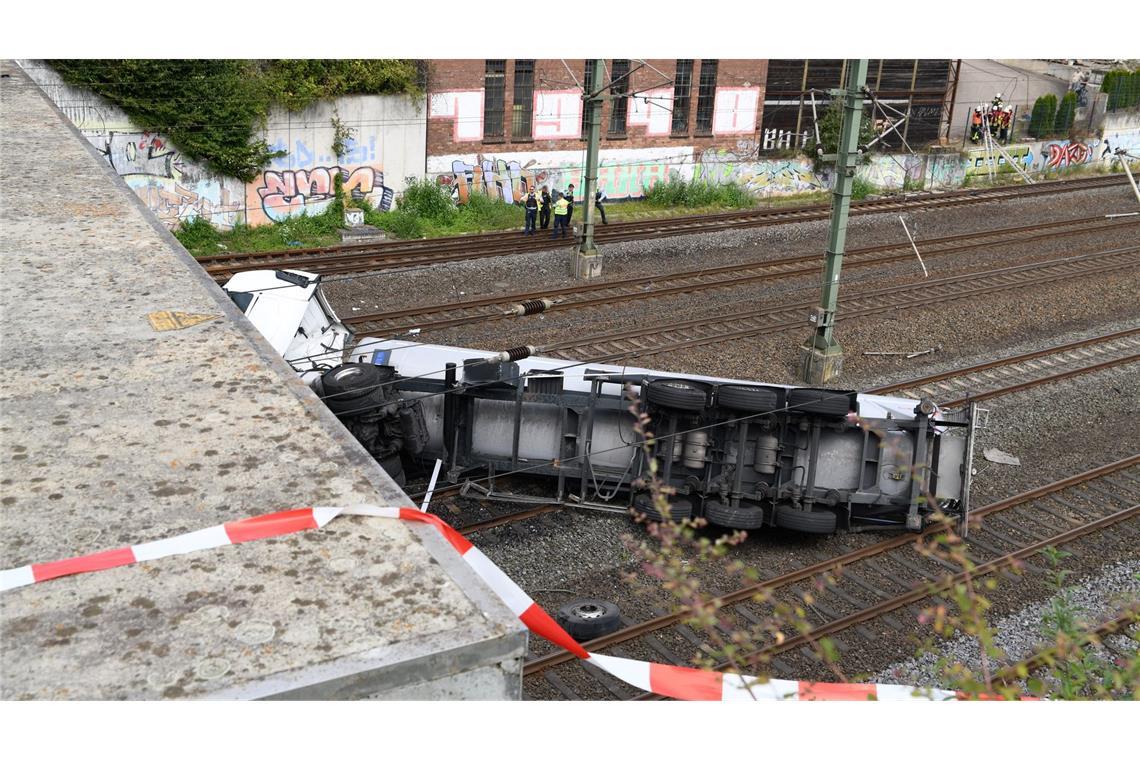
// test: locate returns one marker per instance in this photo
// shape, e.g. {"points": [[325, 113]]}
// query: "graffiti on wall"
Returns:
{"points": [[175, 190], [502, 180], [291, 192], [1058, 155], [623, 174], [979, 160], [893, 172]]}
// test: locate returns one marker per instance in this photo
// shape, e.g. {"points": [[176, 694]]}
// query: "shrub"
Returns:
{"points": [[428, 200], [198, 236], [861, 188], [400, 223], [1123, 88], [1065, 114], [678, 192], [829, 125], [1043, 116]]}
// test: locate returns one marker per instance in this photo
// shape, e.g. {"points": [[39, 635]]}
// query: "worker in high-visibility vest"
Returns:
{"points": [[976, 125], [561, 217]]}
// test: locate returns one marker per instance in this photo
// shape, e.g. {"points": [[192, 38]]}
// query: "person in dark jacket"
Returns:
{"points": [[547, 203], [598, 198], [569, 196], [531, 206]]}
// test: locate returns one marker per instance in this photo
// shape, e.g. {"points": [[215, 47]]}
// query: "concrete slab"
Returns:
{"points": [[112, 433]]}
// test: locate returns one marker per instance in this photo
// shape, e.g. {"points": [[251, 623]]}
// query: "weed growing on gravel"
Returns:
{"points": [[673, 555]]}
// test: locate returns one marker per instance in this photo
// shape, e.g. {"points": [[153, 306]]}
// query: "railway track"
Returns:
{"points": [[638, 342], [400, 254], [592, 295], [955, 387], [872, 586]]}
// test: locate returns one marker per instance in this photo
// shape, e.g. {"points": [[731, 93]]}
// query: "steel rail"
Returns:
{"points": [[694, 280], [790, 316], [362, 257], [824, 566]]}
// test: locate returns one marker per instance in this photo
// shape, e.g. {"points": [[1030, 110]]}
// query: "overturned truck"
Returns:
{"points": [[740, 454]]}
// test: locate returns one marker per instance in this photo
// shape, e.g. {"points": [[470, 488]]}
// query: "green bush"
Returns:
{"points": [[861, 188], [1065, 114], [829, 125], [398, 223], [1123, 88], [678, 192], [211, 109], [1043, 116], [428, 200], [198, 235]]}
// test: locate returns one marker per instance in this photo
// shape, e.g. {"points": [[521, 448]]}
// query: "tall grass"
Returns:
{"points": [[679, 192]]}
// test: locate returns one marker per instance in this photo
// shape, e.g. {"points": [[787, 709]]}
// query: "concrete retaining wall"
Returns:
{"points": [[388, 145]]}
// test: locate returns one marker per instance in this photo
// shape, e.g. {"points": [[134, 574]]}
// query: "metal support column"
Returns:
{"points": [[822, 356], [587, 260]]}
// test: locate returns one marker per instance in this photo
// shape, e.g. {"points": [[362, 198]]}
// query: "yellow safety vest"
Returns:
{"points": [[561, 206]]}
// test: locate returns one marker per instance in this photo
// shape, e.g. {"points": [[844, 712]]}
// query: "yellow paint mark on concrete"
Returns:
{"points": [[162, 321]]}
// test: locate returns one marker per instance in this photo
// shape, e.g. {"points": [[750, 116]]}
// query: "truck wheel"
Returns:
{"points": [[588, 619], [727, 516], [350, 381], [822, 403], [822, 522], [677, 394], [680, 508], [747, 398]]}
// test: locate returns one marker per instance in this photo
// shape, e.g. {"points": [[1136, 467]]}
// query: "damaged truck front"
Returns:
{"points": [[740, 454]]}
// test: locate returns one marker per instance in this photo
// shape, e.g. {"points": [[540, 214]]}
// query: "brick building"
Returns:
{"points": [[502, 126]]}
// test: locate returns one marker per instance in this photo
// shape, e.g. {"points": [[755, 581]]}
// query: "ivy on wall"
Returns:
{"points": [[212, 109]]}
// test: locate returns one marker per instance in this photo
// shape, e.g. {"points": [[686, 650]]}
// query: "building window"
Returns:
{"points": [[682, 85], [706, 97], [494, 86], [522, 105], [587, 88], [619, 92]]}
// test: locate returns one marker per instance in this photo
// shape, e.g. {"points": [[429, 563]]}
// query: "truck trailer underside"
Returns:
{"points": [[740, 454]]}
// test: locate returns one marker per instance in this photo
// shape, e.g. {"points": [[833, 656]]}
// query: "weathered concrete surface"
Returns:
{"points": [[112, 434]]}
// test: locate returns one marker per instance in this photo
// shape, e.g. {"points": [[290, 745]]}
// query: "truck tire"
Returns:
{"points": [[747, 398], [355, 388], [587, 619], [350, 381], [677, 394], [819, 402], [821, 522], [727, 516], [680, 508]]}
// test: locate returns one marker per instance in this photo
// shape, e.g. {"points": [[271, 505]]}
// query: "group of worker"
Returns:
{"points": [[998, 117], [539, 207]]}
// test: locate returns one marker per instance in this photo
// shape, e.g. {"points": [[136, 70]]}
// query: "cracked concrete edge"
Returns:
{"points": [[473, 587]]}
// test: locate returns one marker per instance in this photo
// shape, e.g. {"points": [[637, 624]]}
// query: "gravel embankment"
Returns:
{"points": [[1019, 634]]}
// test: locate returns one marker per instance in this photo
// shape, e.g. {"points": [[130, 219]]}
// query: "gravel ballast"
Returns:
{"points": [[1057, 429]]}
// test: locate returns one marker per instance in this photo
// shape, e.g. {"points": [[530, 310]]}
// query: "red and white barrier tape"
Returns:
{"points": [[666, 680]]}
